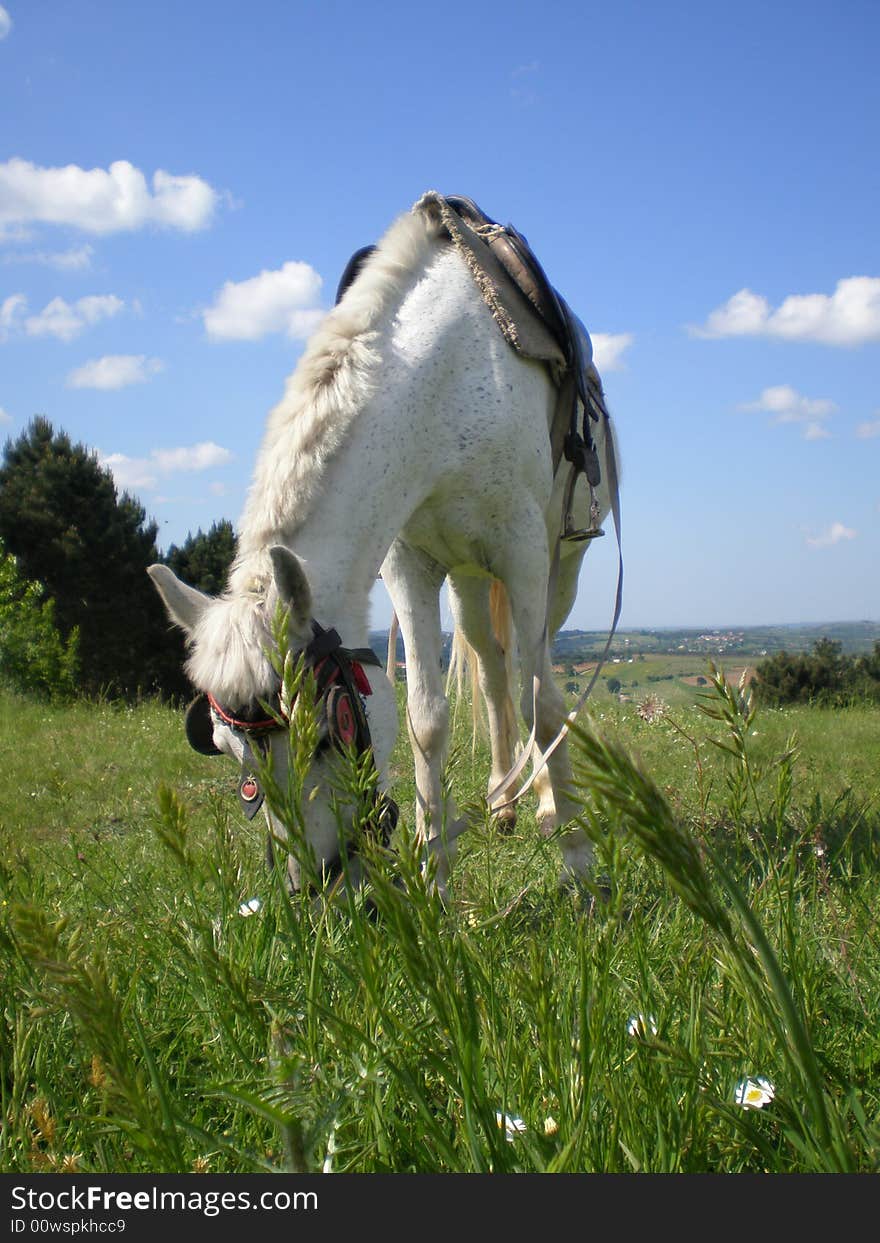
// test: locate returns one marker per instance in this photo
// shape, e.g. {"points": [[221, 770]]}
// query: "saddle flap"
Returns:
{"points": [[521, 265]]}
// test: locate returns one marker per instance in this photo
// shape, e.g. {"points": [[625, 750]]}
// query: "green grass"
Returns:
{"points": [[665, 675], [146, 1025]]}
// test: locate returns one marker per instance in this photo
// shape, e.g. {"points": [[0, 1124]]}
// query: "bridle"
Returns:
{"points": [[341, 685]]}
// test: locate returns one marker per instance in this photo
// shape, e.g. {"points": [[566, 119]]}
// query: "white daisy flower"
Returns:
{"points": [[511, 1125], [641, 1026], [754, 1093]]}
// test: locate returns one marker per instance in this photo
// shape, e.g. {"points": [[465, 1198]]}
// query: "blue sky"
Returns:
{"points": [[182, 184]]}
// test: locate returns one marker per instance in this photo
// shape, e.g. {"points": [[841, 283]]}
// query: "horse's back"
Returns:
{"points": [[477, 403]]}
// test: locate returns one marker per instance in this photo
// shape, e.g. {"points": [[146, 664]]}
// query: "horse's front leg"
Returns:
{"points": [[560, 607], [414, 580]]}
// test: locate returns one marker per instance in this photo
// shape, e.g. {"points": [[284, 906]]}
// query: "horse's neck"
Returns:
{"points": [[342, 561], [382, 469], [371, 487]]}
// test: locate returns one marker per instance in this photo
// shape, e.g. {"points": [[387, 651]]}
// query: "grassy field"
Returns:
{"points": [[152, 1020], [674, 679]]}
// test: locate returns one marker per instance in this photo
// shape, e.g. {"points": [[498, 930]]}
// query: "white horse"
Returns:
{"points": [[412, 440]]}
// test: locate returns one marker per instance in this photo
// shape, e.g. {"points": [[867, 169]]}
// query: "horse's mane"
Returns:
{"points": [[329, 386], [334, 377]]}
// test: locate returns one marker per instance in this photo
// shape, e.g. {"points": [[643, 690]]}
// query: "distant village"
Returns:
{"points": [[717, 641], [575, 652]]}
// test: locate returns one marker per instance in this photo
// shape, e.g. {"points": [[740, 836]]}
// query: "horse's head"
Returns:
{"points": [[297, 729]]}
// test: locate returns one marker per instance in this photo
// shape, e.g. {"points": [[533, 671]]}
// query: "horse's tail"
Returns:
{"points": [[502, 625], [463, 671], [463, 660], [391, 659]]}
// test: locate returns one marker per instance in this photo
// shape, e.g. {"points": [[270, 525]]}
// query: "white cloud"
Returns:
{"points": [[283, 300], [833, 535], [790, 406], [867, 431], [101, 200], [130, 472], [145, 473], [5, 22], [5, 417], [742, 315], [114, 371], [849, 316], [76, 259], [66, 320], [14, 233], [524, 81], [608, 349], [10, 309], [197, 457]]}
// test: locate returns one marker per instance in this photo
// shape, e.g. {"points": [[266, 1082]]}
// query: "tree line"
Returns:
{"points": [[824, 675], [78, 613]]}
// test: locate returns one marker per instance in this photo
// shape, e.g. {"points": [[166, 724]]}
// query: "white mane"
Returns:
{"points": [[332, 380], [329, 386]]}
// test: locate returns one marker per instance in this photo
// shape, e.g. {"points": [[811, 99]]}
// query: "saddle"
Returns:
{"points": [[520, 263], [534, 318]]}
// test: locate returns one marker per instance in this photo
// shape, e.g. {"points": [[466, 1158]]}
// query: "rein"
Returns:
{"points": [[245, 724]]}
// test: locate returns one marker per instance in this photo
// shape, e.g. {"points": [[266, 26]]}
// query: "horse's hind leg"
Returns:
{"points": [[414, 580], [469, 599], [521, 567]]}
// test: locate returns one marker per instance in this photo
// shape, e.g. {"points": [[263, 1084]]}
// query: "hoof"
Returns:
{"points": [[593, 892], [547, 826], [504, 821]]}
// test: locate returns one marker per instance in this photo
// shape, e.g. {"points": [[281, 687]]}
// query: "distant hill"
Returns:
{"points": [[752, 641], [854, 637]]}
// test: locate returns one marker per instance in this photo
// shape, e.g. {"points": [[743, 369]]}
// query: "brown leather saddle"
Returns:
{"points": [[521, 264]]}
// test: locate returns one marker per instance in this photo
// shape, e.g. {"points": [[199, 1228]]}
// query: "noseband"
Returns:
{"points": [[340, 687], [339, 677]]}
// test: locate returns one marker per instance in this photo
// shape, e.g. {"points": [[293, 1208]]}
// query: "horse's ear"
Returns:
{"points": [[183, 603], [292, 585]]}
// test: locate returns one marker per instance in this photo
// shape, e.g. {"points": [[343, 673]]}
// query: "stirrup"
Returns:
{"points": [[585, 533], [593, 531]]}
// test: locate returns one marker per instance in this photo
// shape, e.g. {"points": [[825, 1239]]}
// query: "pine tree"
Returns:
{"points": [[61, 517], [202, 560]]}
